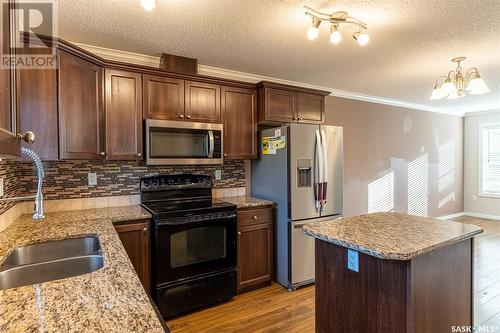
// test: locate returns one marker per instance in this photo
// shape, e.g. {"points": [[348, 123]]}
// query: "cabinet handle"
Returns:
{"points": [[102, 153], [181, 116], [239, 233], [188, 117], [255, 217], [145, 229], [295, 118], [225, 155], [301, 118], [139, 155]]}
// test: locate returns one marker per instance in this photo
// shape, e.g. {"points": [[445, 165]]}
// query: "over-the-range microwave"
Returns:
{"points": [[182, 142]]}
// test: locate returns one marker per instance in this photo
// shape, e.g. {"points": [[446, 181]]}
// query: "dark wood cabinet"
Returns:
{"points": [[280, 103], [37, 109], [163, 98], [81, 117], [255, 248], [239, 111], [202, 102], [9, 143], [135, 240], [123, 115], [310, 108]]}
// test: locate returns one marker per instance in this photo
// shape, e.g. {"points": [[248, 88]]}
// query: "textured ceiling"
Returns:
{"points": [[412, 42]]}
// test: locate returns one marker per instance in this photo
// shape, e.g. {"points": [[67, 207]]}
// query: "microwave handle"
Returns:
{"points": [[211, 144]]}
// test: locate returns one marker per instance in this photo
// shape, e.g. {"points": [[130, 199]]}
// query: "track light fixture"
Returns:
{"points": [[148, 5], [455, 83], [336, 19]]}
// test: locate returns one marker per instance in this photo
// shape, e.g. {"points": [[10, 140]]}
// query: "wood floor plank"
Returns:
{"points": [[275, 309]]}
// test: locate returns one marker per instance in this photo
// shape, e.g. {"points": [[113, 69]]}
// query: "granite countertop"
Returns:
{"points": [[246, 201], [110, 299], [391, 235]]}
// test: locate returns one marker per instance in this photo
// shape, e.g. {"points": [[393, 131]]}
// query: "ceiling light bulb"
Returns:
{"points": [[335, 36], [312, 33], [148, 5], [437, 93], [362, 37], [448, 87]]}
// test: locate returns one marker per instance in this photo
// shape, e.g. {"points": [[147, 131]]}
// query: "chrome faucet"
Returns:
{"points": [[38, 214]]}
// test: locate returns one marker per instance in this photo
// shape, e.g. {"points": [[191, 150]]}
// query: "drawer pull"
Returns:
{"points": [[255, 217]]}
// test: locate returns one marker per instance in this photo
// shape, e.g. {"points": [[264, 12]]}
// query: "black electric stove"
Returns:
{"points": [[194, 243]]}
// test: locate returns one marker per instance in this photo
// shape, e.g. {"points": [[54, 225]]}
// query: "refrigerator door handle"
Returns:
{"points": [[325, 166], [318, 190]]}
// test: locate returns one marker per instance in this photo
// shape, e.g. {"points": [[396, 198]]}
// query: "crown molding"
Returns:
{"points": [[145, 60], [495, 111]]}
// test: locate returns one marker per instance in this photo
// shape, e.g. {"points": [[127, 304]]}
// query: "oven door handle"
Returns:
{"points": [[161, 223], [211, 144]]}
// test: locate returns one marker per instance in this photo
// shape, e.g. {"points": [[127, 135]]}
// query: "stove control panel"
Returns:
{"points": [[175, 182]]}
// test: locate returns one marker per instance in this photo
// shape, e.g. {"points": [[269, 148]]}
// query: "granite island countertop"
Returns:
{"points": [[110, 299], [391, 235], [245, 201]]}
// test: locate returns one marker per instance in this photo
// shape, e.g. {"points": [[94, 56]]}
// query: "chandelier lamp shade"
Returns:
{"points": [[336, 20], [456, 83]]}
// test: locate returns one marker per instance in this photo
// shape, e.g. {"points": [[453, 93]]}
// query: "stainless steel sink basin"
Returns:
{"points": [[51, 260]]}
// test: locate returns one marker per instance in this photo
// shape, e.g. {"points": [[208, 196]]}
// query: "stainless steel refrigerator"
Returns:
{"points": [[300, 168]]}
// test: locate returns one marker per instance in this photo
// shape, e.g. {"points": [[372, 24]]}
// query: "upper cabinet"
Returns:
{"points": [[9, 143], [239, 110], [285, 104], [176, 99], [163, 98], [202, 102], [123, 115], [81, 117]]}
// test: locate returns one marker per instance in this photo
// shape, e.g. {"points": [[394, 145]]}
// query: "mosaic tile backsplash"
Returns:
{"points": [[68, 179]]}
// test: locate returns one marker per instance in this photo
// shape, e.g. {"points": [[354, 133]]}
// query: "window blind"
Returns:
{"points": [[491, 160]]}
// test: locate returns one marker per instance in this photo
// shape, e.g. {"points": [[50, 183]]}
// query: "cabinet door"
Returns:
{"points": [[280, 105], [202, 102], [81, 130], [254, 255], [163, 98], [310, 108], [123, 115], [135, 240], [240, 122], [37, 109]]}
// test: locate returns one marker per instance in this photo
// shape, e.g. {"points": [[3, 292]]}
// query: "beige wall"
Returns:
{"points": [[474, 203], [399, 159]]}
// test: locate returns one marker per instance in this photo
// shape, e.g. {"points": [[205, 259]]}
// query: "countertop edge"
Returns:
{"points": [[391, 256]]}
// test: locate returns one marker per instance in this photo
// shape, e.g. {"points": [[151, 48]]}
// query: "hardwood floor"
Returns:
{"points": [[275, 309]]}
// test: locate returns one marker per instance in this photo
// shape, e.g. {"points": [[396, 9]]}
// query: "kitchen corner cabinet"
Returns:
{"points": [[123, 115], [135, 239], [255, 248], [239, 112], [81, 116], [288, 104]]}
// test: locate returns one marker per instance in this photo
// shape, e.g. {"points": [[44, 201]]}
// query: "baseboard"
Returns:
{"points": [[451, 216], [483, 216]]}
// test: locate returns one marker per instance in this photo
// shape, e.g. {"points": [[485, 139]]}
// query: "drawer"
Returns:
{"points": [[255, 216]]}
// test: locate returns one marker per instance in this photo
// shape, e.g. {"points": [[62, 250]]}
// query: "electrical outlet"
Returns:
{"points": [[474, 197], [92, 179], [353, 260], [1, 187], [218, 174]]}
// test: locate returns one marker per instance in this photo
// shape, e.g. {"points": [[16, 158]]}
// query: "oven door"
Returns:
{"points": [[180, 142], [190, 249]]}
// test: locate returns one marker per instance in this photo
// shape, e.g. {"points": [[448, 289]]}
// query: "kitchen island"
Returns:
{"points": [[405, 274]]}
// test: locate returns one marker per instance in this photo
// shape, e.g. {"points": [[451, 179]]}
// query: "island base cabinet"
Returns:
{"points": [[429, 293], [135, 240]]}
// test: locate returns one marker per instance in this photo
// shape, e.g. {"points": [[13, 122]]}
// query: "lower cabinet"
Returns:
{"points": [[135, 240], [255, 248]]}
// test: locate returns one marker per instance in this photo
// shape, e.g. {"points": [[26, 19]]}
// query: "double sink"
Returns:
{"points": [[52, 260]]}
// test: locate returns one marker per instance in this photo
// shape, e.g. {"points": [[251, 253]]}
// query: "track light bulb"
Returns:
{"points": [[148, 5], [362, 37], [313, 31], [335, 36]]}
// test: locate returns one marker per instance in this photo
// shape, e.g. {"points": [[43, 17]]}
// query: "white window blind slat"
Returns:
{"points": [[490, 182]]}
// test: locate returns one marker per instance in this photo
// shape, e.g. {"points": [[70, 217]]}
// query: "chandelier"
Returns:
{"points": [[336, 20], [455, 83]]}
